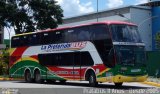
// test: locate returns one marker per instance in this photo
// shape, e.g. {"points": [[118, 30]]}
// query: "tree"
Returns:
{"points": [[4, 61], [30, 15]]}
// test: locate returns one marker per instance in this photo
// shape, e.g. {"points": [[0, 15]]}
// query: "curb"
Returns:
{"points": [[151, 83], [9, 79]]}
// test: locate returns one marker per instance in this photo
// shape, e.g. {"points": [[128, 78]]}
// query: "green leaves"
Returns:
{"points": [[30, 15]]}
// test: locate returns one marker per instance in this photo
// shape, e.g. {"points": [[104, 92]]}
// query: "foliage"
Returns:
{"points": [[4, 62], [30, 15]]}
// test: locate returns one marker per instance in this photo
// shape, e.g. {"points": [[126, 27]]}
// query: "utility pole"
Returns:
{"points": [[97, 10]]}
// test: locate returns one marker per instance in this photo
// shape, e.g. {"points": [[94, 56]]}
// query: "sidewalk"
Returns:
{"points": [[152, 81], [9, 79], [3, 79]]}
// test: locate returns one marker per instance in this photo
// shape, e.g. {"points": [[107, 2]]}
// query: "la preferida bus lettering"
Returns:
{"points": [[64, 46]]}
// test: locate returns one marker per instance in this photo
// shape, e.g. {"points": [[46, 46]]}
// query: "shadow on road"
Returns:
{"points": [[105, 86]]}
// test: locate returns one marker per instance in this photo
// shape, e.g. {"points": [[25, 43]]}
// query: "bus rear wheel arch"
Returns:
{"points": [[91, 77], [37, 76], [27, 76]]}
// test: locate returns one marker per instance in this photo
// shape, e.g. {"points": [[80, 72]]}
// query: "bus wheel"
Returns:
{"points": [[92, 80], [37, 77], [28, 78], [118, 84]]}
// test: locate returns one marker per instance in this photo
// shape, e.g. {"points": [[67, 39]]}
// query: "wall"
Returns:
{"points": [[2, 46], [156, 28], [153, 63], [102, 16], [110, 18], [143, 19]]}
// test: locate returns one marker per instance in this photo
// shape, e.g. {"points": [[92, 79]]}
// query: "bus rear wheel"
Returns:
{"points": [[37, 77], [28, 78], [118, 84], [92, 80]]}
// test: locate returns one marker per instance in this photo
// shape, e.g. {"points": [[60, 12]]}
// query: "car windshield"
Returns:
{"points": [[125, 33]]}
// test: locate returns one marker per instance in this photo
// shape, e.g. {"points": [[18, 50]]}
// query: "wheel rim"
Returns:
{"points": [[91, 81], [28, 76], [37, 77]]}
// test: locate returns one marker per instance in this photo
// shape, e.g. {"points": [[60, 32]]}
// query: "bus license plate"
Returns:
{"points": [[135, 70], [134, 78]]}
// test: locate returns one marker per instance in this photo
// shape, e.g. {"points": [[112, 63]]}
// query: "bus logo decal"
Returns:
{"points": [[63, 46]]}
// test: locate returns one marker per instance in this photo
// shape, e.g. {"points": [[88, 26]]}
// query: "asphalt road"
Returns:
{"points": [[74, 87]]}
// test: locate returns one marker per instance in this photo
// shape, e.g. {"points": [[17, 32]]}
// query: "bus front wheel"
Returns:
{"points": [[28, 78], [37, 77], [92, 80], [118, 84]]}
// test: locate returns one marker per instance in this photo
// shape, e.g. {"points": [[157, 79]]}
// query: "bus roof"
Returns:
{"points": [[62, 28]]}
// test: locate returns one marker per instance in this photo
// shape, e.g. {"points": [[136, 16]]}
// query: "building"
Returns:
{"points": [[146, 16], [2, 46]]}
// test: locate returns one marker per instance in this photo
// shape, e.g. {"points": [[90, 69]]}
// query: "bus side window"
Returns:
{"points": [[83, 33], [69, 35], [66, 59], [86, 59], [23, 40], [44, 37], [99, 32], [83, 59], [15, 42], [58, 36], [33, 39], [53, 37]]}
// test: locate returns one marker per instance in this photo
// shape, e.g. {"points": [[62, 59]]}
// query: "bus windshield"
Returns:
{"points": [[125, 33], [130, 55]]}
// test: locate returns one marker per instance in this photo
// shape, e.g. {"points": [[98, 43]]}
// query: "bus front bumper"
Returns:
{"points": [[121, 78]]}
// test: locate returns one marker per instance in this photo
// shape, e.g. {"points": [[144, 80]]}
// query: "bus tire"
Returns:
{"points": [[118, 84], [92, 80], [27, 76], [37, 77]]}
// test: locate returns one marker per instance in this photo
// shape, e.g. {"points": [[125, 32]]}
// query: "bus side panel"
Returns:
{"points": [[15, 57]]}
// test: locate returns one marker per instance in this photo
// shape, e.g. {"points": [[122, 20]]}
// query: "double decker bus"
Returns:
{"points": [[110, 51]]}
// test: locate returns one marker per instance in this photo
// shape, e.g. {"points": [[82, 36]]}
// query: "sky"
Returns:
{"points": [[78, 7]]}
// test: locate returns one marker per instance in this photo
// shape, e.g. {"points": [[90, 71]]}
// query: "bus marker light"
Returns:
{"points": [[97, 71]]}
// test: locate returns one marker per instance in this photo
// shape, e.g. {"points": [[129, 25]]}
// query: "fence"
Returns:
{"points": [[153, 63]]}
